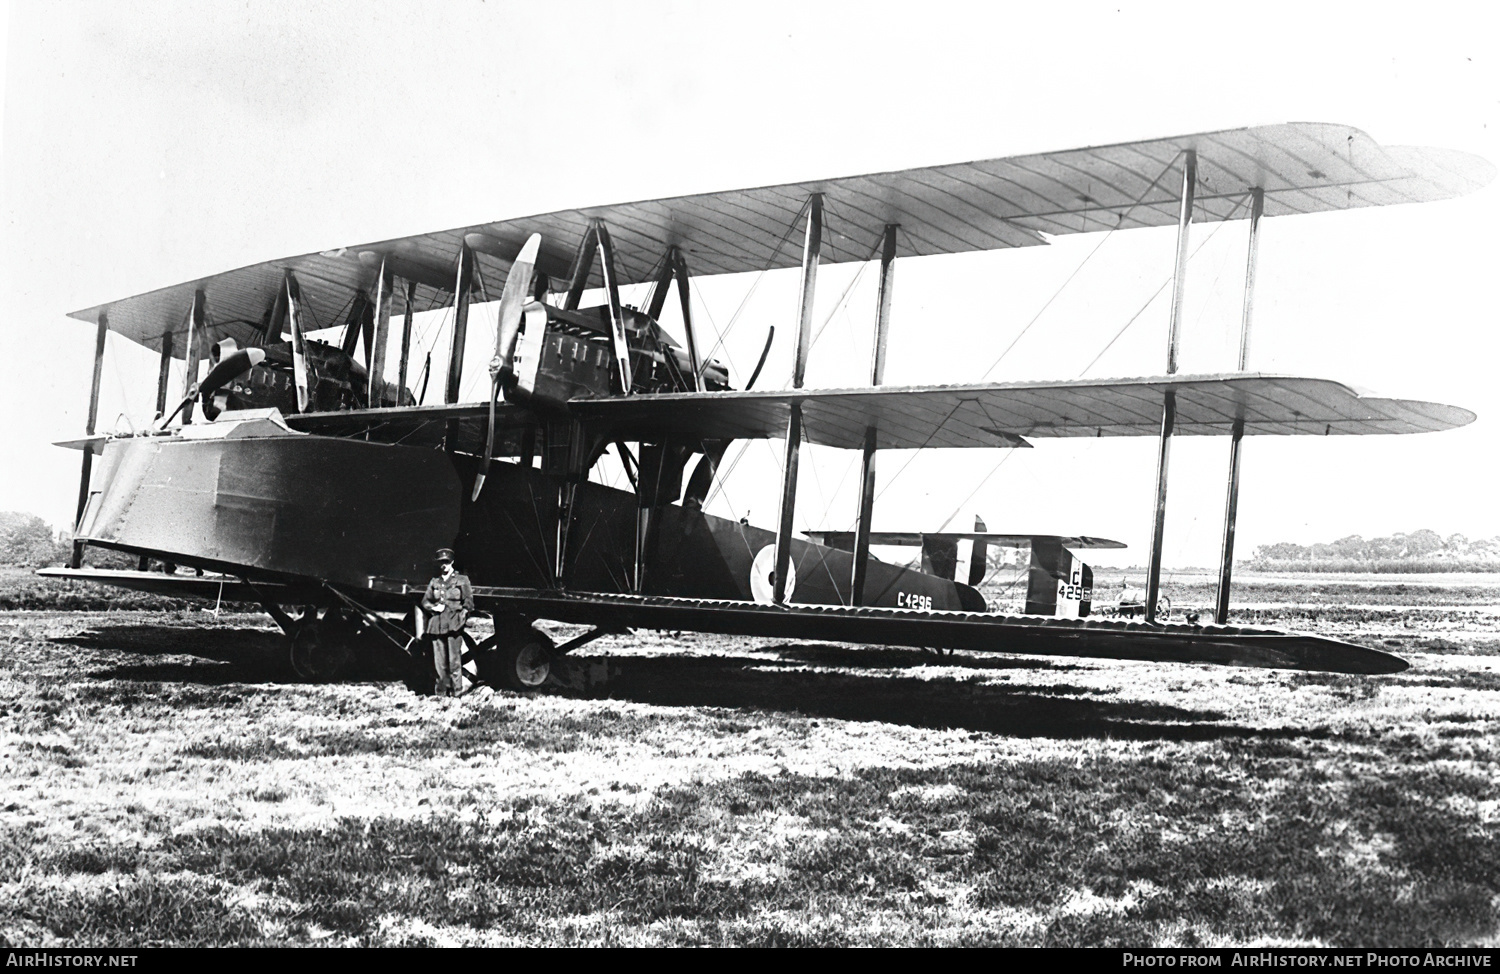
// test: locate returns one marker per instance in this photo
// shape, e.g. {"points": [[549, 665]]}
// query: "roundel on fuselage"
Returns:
{"points": [[762, 576]]}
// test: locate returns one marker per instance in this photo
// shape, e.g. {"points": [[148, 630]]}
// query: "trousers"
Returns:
{"points": [[448, 661]]}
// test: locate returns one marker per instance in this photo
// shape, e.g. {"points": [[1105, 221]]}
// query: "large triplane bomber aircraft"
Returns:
{"points": [[296, 469]]}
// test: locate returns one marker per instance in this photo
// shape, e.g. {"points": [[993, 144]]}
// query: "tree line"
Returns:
{"points": [[26, 541], [1419, 551]]}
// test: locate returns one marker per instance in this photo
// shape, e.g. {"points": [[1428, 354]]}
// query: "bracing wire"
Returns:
{"points": [[651, 281], [844, 297], [1119, 222], [1043, 310], [1133, 318], [791, 228], [1157, 293], [1004, 459], [828, 508], [914, 453], [694, 295], [726, 469]]}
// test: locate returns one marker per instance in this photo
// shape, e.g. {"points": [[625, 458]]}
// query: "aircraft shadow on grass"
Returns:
{"points": [[1058, 710], [777, 680], [205, 656]]}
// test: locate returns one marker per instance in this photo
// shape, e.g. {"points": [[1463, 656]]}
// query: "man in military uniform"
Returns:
{"points": [[448, 601]]}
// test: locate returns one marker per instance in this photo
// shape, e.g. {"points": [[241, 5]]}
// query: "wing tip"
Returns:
{"points": [[1451, 172]]}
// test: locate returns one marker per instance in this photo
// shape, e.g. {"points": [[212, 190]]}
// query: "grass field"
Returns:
{"points": [[165, 782]]}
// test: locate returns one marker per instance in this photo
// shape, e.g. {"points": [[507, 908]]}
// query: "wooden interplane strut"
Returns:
{"points": [[163, 374], [88, 455], [408, 308], [812, 247], [877, 375], [618, 340], [583, 262], [193, 351], [1232, 498], [1169, 407], [377, 351], [463, 286], [680, 271]]}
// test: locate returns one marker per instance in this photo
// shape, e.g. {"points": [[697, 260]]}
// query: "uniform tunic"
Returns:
{"points": [[457, 598], [445, 628]]}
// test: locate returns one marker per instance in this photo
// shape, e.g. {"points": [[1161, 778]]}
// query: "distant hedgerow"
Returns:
{"points": [[1421, 551]]}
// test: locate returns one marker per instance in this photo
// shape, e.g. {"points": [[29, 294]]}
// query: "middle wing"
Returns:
{"points": [[997, 414], [991, 415]]}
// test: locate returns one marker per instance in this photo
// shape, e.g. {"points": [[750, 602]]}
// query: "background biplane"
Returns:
{"points": [[319, 483]]}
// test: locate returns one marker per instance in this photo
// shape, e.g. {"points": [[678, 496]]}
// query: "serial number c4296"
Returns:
{"points": [[912, 600]]}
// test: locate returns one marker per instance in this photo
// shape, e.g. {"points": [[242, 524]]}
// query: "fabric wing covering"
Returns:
{"points": [[985, 205], [999, 414], [994, 414]]}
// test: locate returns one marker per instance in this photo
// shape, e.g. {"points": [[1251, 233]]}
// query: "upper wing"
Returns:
{"points": [[1303, 167], [994, 414]]}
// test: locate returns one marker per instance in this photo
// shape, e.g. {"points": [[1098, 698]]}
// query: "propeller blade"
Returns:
{"points": [[512, 305], [512, 300], [226, 371], [489, 443], [229, 369]]}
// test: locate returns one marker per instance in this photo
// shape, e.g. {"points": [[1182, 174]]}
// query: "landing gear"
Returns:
{"points": [[518, 658], [321, 648]]}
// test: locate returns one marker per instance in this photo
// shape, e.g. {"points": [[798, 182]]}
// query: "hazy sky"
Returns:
{"points": [[150, 143]]}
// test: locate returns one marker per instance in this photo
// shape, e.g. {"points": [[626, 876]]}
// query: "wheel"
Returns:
{"points": [[320, 649], [417, 671], [515, 660], [471, 678]]}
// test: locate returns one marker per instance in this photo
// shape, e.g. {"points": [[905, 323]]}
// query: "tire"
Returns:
{"points": [[319, 650], [418, 674], [516, 660]]}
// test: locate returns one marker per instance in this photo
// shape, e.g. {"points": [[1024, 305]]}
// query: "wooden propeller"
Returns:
{"points": [[512, 304], [230, 367]]}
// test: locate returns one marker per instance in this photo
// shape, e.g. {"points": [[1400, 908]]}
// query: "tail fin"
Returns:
{"points": [[979, 561], [940, 556], [1060, 584], [944, 555]]}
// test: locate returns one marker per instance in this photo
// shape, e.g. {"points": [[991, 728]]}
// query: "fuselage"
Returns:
{"points": [[251, 497]]}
